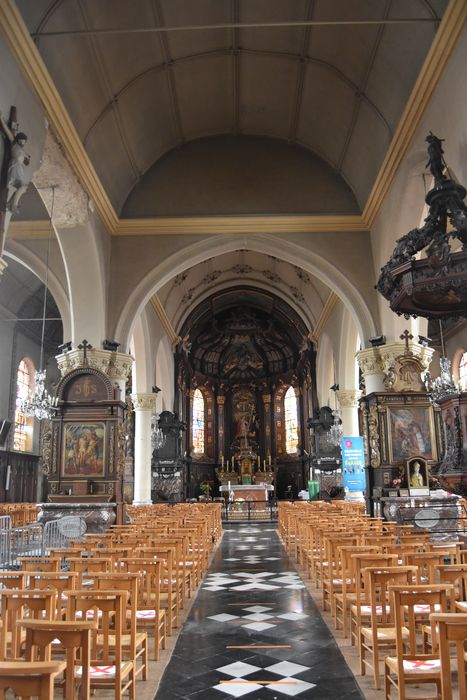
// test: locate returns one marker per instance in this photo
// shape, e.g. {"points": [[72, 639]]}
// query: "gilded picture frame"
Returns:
{"points": [[83, 449], [411, 432]]}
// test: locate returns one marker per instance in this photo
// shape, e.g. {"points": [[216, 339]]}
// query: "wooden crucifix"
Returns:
{"points": [[85, 346], [406, 336], [12, 176]]}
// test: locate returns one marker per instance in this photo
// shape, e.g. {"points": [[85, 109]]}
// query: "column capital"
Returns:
{"points": [[116, 365], [369, 361], [144, 401], [348, 398]]}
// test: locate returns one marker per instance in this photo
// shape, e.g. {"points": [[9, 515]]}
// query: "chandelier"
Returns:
{"points": [[158, 438], [40, 404]]}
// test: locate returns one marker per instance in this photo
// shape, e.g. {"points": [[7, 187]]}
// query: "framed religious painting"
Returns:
{"points": [[411, 432], [83, 449]]}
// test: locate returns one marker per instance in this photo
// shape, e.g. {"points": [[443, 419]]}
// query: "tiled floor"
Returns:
{"points": [[254, 631]]}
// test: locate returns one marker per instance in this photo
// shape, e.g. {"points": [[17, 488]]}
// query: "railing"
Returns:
{"points": [[5, 522], [36, 540], [249, 510]]}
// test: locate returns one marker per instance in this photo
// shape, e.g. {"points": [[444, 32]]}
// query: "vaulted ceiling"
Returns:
{"points": [[144, 77]]}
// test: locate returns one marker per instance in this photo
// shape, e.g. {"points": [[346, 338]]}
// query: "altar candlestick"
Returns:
{"points": [[264, 463], [222, 461], [259, 462], [269, 459]]}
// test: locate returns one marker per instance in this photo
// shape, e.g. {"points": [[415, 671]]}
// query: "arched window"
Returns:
{"points": [[463, 371], [198, 422], [22, 437], [291, 421]]}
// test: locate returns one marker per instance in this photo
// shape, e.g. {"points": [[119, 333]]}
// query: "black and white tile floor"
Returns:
{"points": [[255, 632]]}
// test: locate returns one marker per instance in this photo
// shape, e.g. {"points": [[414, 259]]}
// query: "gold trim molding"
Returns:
{"points": [[328, 308], [164, 319]]}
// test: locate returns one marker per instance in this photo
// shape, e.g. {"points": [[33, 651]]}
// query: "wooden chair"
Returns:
{"points": [[133, 642], [409, 667], [361, 611], [29, 678], [39, 564], [107, 669], [169, 589], [149, 614], [16, 604], [451, 629], [59, 582], [73, 639], [381, 633], [347, 596]]}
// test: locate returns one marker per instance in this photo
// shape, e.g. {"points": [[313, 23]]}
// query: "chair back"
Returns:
{"points": [[451, 629], [17, 604], [39, 564], [27, 679]]}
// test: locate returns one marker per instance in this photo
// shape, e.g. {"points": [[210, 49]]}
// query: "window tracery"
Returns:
{"points": [[22, 436], [198, 422], [463, 371]]}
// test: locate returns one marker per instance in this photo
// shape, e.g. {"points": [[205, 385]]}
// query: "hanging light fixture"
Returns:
{"points": [[444, 385], [158, 438], [39, 403]]}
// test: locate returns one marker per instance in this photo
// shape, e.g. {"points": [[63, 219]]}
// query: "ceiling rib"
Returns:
{"points": [[222, 52], [159, 20], [362, 90], [242, 25], [301, 67]]}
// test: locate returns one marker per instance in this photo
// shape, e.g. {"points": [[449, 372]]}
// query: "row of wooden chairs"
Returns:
{"points": [[97, 600], [384, 585]]}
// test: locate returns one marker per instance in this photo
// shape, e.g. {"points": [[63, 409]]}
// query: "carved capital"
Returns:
{"points": [[348, 398], [221, 400], [391, 353], [369, 361], [115, 365], [144, 402]]}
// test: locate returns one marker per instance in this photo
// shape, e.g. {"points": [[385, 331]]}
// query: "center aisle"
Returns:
{"points": [[254, 630]]}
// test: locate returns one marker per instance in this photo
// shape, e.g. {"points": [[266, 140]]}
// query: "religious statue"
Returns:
{"points": [[17, 159], [416, 479], [435, 158]]}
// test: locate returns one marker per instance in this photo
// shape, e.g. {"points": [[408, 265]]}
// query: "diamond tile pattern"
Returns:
{"points": [[249, 600]]}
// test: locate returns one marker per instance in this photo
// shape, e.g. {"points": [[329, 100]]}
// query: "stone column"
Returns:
{"points": [[348, 404], [371, 365], [144, 406]]}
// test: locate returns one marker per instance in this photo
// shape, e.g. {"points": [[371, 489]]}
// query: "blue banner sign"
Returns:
{"points": [[353, 463]]}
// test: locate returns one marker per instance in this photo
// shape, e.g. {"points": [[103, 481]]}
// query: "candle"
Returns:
{"points": [[269, 459], [229, 486], [259, 462], [222, 461], [264, 463]]}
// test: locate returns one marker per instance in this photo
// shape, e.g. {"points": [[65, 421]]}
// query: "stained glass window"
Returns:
{"points": [[463, 371], [22, 436], [198, 422], [291, 421]]}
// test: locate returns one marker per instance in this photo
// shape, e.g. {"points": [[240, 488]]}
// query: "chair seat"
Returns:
{"points": [[339, 581], [426, 609], [126, 639], [89, 614], [104, 671], [384, 633], [416, 666], [147, 614]]}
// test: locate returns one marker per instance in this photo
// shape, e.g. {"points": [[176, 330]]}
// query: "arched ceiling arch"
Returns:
{"points": [[337, 89]]}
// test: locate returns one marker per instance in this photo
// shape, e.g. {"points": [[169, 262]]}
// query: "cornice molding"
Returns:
{"points": [[445, 40], [269, 223], [30, 61], [164, 319], [211, 225], [28, 230]]}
